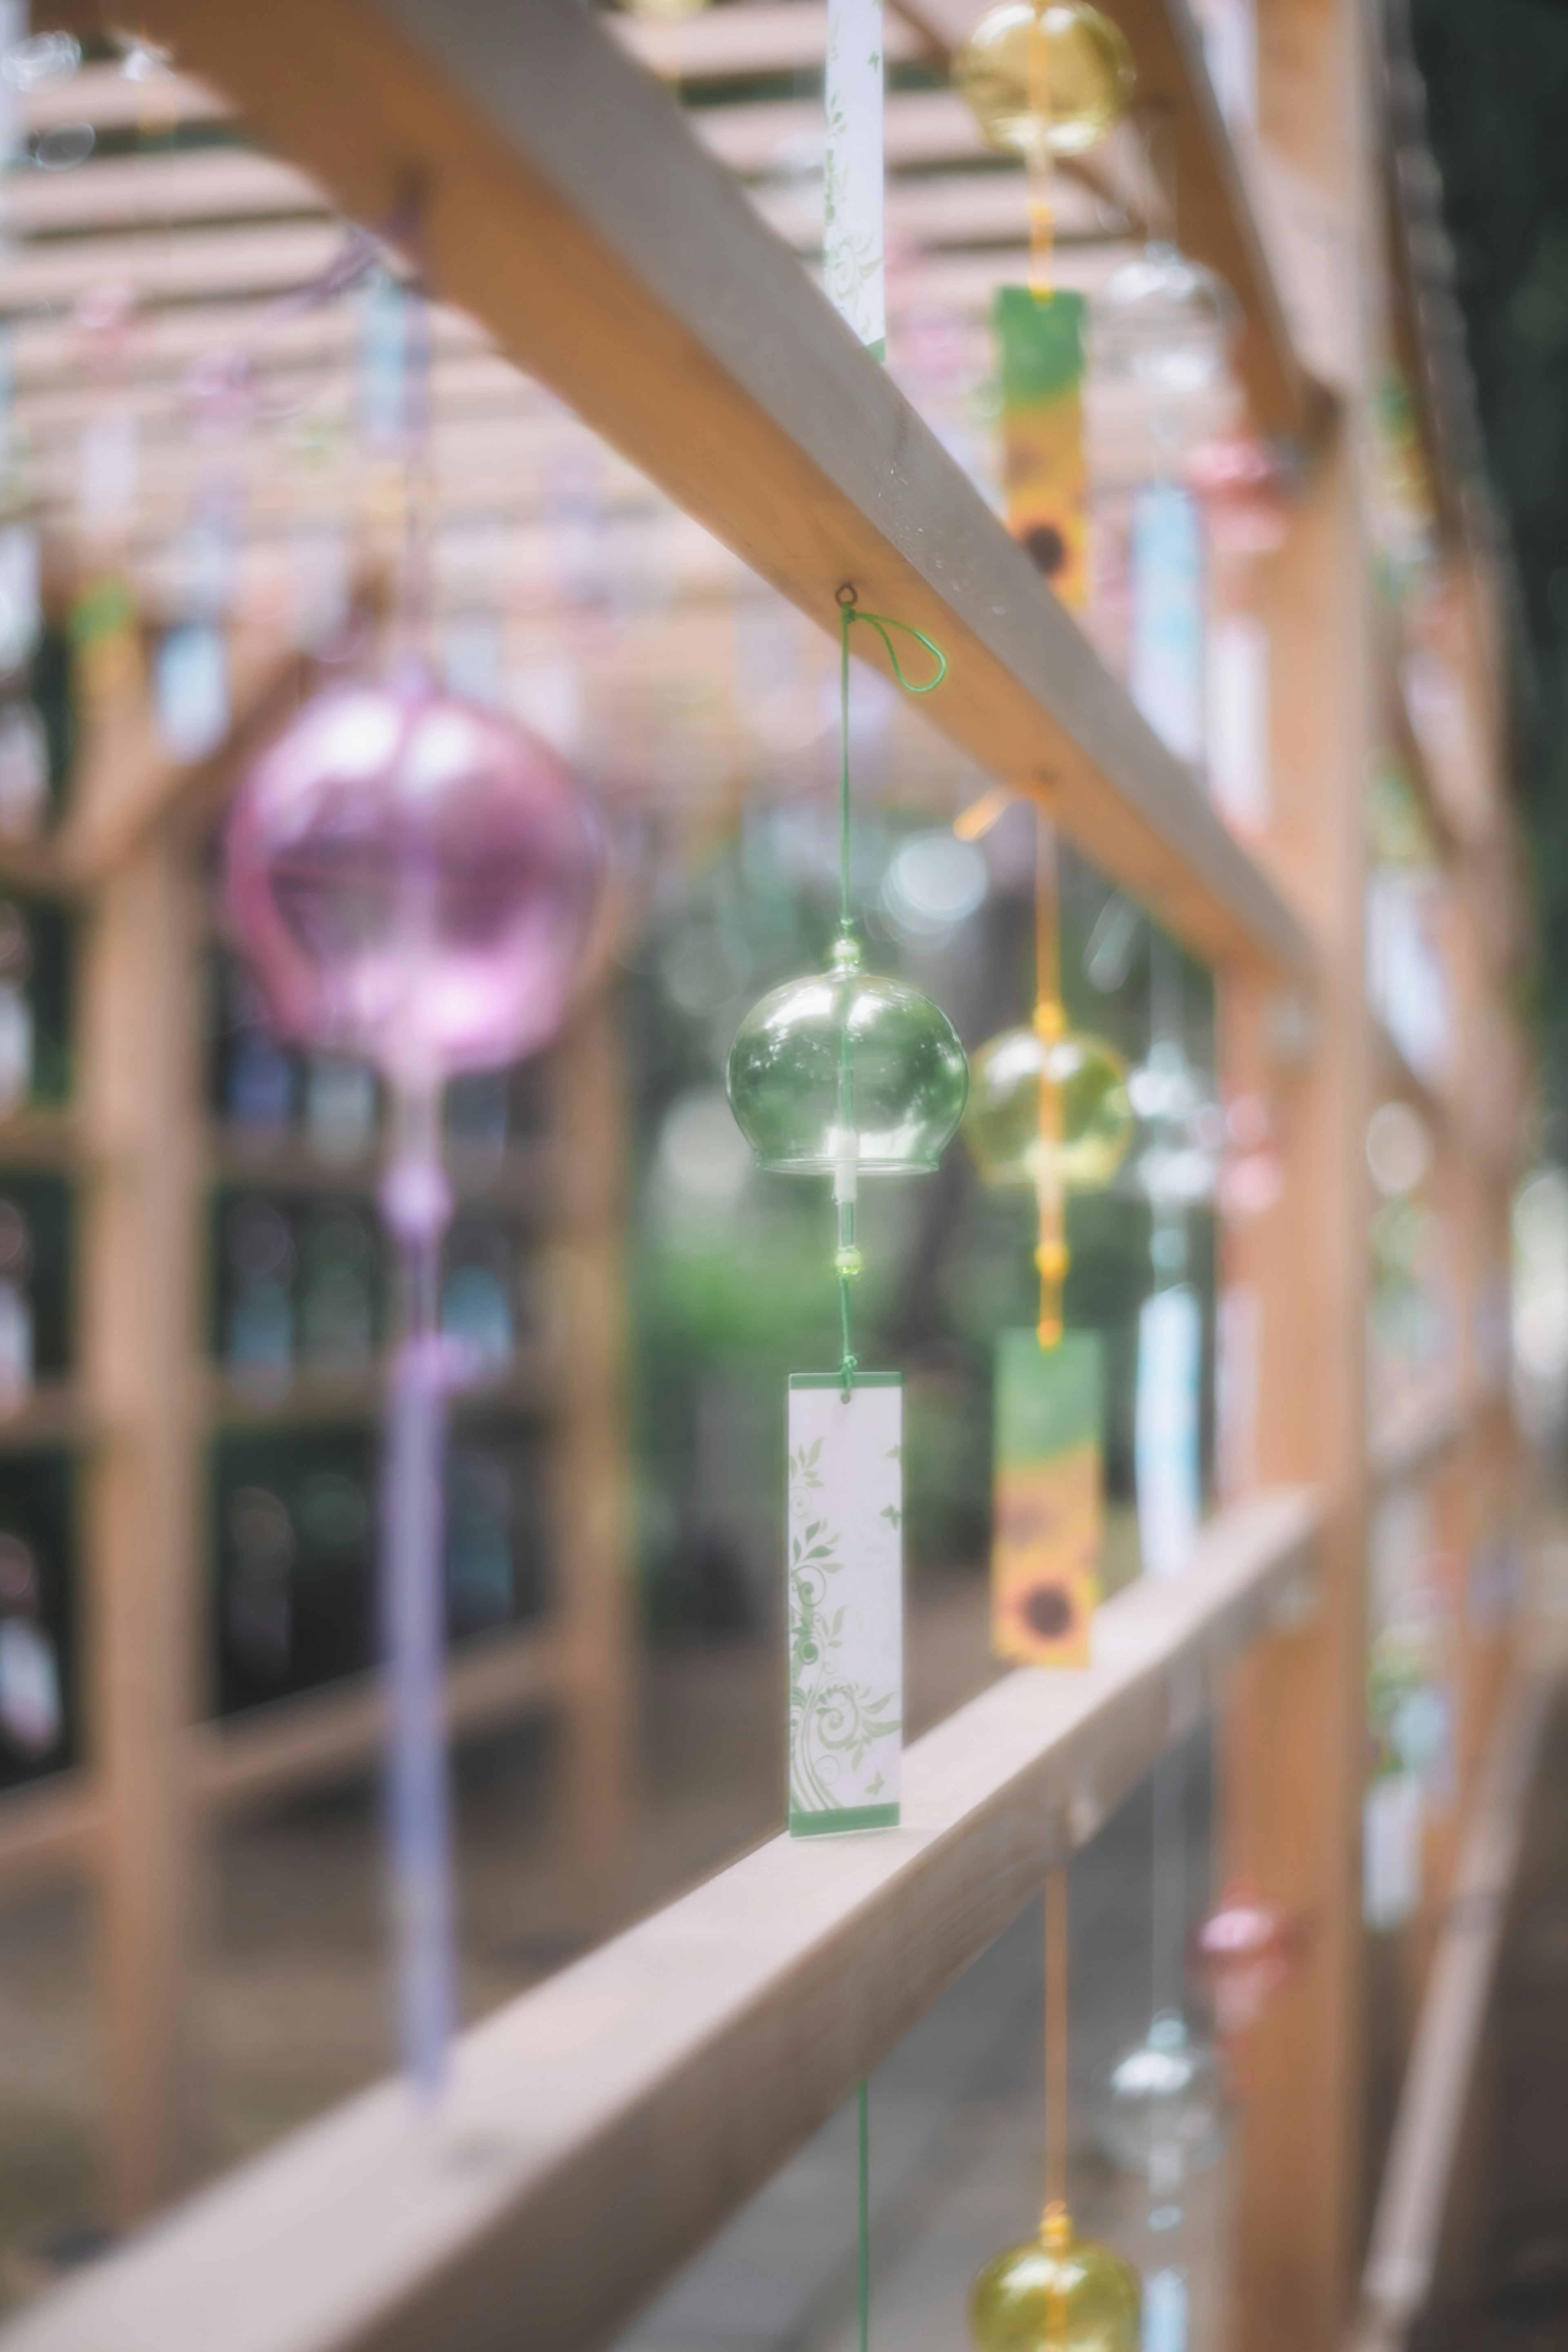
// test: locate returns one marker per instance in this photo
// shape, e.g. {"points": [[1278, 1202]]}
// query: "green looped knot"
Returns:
{"points": [[883, 622]]}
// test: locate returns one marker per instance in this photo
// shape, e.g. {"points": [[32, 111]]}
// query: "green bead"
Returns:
{"points": [[849, 1264], [1056, 2293], [1094, 1122], [906, 1081]]}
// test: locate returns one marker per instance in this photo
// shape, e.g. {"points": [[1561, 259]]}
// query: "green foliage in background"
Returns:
{"points": [[1497, 86], [732, 1286]]}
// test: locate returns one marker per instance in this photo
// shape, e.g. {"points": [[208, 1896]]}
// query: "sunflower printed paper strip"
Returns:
{"points": [[1045, 1551], [845, 1602], [1041, 349]]}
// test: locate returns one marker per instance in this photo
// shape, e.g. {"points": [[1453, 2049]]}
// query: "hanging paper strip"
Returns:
{"points": [[1164, 2311], [853, 190], [1166, 666], [1045, 1552], [1239, 1354], [1165, 1429], [1041, 346], [1392, 1818], [845, 1602], [1237, 718], [382, 368]]}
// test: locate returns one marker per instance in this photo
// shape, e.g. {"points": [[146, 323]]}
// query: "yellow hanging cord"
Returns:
{"points": [[1055, 2227], [1050, 1024], [1050, 1027], [1040, 222]]}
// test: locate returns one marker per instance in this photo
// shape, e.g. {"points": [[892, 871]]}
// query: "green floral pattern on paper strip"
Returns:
{"points": [[836, 1717], [852, 168]]}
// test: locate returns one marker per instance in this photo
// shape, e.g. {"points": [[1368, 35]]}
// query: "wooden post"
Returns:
{"points": [[141, 1237], [592, 1503], [1293, 1735]]}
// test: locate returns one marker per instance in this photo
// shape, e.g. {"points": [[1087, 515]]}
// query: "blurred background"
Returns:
{"points": [[636, 1288]]}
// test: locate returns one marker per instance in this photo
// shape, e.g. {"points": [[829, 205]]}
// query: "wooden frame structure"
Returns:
{"points": [[567, 205], [132, 1817]]}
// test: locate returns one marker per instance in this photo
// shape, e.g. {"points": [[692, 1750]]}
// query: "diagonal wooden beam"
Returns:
{"points": [[566, 203], [662, 2080]]}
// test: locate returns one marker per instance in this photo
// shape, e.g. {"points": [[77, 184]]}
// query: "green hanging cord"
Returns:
{"points": [[846, 950], [865, 2215], [849, 614]]}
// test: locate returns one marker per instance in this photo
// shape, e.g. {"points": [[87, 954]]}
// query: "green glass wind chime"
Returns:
{"points": [[842, 1074]]}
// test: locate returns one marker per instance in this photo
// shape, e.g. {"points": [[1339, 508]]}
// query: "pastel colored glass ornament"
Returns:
{"points": [[1080, 1151], [1242, 1954], [1239, 483], [1179, 1165], [1160, 2107], [842, 1071], [1087, 78], [1251, 1172], [412, 875], [1055, 2292], [1164, 324]]}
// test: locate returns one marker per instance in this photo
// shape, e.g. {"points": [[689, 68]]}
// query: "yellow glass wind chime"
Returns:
{"points": [[1048, 1107], [1046, 83]]}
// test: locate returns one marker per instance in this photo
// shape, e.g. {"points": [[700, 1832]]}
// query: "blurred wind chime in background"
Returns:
{"points": [[1044, 83], [412, 876], [1049, 1108]]}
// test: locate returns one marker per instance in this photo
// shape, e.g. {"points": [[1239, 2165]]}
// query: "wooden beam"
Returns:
{"points": [[40, 1138], [173, 267], [129, 784], [1295, 1741], [102, 95], [48, 1831], [188, 258], [142, 1239], [771, 140], [1411, 1439], [53, 1412], [663, 2079], [144, 195], [531, 1384], [636, 282], [929, 215], [331, 1733], [767, 37], [47, 351]]}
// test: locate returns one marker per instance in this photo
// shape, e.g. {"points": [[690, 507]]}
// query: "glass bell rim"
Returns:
{"points": [[827, 1164]]}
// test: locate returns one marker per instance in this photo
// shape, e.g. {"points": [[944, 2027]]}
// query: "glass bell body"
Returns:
{"points": [[1079, 1148], [842, 1071], [412, 876], [1161, 2106], [1239, 483], [1243, 1953], [1164, 323], [1086, 78], [1055, 2292], [1179, 1166]]}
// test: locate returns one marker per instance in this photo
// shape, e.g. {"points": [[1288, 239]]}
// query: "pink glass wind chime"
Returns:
{"points": [[412, 876]]}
